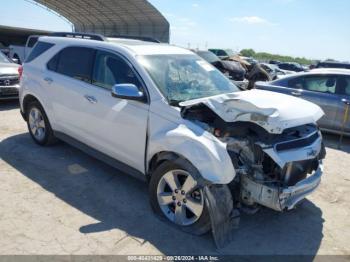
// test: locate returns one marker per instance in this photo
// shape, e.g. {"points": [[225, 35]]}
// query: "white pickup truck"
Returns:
{"points": [[20, 53]]}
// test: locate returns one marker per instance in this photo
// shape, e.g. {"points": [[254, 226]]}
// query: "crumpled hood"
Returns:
{"points": [[274, 112], [8, 69]]}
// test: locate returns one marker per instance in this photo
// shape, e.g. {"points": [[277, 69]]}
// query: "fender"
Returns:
{"points": [[206, 153], [36, 90]]}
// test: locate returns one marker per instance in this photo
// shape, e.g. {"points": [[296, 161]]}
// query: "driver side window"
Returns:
{"points": [[109, 70]]}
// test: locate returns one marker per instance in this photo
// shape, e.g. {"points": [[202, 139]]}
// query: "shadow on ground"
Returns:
{"points": [[332, 141], [9, 104], [120, 201]]}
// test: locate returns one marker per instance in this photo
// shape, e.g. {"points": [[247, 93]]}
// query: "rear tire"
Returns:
{"points": [[168, 199], [38, 125]]}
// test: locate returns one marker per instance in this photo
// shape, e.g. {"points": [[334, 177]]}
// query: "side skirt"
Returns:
{"points": [[101, 156]]}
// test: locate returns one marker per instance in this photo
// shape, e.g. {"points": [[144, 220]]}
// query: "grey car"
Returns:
{"points": [[328, 88], [9, 78]]}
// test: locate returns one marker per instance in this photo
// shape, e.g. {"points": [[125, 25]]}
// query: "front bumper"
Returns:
{"points": [[278, 198], [9, 92]]}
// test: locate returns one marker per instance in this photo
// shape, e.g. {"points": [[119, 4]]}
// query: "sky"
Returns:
{"points": [[316, 29]]}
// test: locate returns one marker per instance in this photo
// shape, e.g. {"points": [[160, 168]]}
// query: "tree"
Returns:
{"points": [[248, 52]]}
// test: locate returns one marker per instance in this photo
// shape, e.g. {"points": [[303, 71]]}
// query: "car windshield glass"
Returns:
{"points": [[230, 52], [3, 58], [185, 77], [208, 56]]}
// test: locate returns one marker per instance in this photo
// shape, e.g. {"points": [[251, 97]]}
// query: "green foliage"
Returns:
{"points": [[263, 56]]}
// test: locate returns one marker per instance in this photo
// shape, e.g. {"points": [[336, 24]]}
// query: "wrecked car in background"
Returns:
{"points": [[162, 112], [274, 71], [234, 70]]}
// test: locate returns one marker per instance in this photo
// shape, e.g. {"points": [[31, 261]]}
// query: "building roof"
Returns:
{"points": [[112, 17], [17, 35]]}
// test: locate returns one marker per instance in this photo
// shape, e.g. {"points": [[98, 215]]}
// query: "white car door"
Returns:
{"points": [[67, 77], [117, 127]]}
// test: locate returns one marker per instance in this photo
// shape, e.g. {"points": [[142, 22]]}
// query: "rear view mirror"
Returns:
{"points": [[127, 91]]}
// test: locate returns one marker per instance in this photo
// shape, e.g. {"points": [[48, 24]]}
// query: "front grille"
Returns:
{"points": [[9, 81], [297, 143]]}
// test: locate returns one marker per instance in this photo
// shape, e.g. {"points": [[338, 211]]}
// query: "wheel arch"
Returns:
{"points": [[26, 101], [159, 158]]}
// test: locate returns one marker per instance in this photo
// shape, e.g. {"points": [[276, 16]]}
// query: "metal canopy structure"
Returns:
{"points": [[112, 17], [16, 35]]}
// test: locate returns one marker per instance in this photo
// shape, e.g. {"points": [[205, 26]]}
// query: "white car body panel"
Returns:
{"points": [[118, 127], [168, 132], [272, 111]]}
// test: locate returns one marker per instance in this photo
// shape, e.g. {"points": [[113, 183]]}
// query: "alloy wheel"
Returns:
{"points": [[179, 197], [37, 124]]}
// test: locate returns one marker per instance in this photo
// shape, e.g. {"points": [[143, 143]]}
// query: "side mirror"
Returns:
{"points": [[127, 91]]}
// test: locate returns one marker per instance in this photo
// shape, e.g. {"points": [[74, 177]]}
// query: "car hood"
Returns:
{"points": [[273, 111], [8, 69]]}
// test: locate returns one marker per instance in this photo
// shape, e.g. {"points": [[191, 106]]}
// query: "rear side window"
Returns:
{"points": [[75, 62], [32, 41], [343, 85], [52, 64], [320, 83], [38, 50]]}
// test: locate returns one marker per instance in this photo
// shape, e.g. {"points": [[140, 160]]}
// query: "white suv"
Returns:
{"points": [[163, 113]]}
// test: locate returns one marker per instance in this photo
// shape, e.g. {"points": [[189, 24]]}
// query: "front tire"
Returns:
{"points": [[38, 125], [176, 196]]}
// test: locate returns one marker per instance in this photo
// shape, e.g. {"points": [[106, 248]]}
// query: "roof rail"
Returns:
{"points": [[142, 38], [79, 35]]}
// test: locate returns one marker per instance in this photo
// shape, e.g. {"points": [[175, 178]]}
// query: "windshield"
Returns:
{"points": [[230, 52], [3, 58], [185, 77]]}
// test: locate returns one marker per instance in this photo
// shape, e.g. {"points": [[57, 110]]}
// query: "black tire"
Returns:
{"points": [[48, 138], [199, 227]]}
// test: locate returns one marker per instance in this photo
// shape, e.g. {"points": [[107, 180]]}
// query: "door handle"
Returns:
{"points": [[296, 93], [48, 80], [91, 99]]}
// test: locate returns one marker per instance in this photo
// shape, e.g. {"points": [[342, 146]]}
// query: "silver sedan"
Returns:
{"points": [[9, 78]]}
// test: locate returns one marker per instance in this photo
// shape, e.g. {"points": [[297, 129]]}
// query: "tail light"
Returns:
{"points": [[20, 71]]}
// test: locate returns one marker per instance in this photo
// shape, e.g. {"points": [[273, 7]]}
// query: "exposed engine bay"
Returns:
{"points": [[272, 170]]}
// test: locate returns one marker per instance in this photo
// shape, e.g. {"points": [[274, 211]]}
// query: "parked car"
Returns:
{"points": [[9, 78], [20, 53], [250, 60], [5, 50], [328, 64], [274, 71], [295, 67], [232, 69], [274, 62], [223, 53], [330, 89], [163, 113]]}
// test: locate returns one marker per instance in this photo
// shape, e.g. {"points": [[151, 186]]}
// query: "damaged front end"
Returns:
{"points": [[267, 177], [276, 167]]}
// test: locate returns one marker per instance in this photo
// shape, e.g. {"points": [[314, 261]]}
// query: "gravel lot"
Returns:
{"points": [[58, 200]]}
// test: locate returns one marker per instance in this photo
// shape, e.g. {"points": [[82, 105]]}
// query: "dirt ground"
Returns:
{"points": [[58, 200]]}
